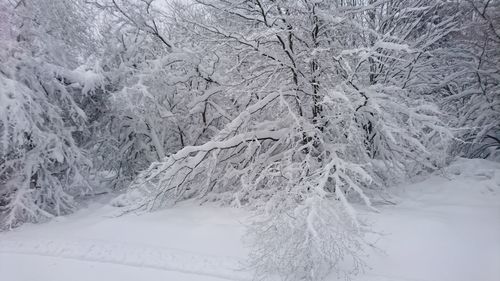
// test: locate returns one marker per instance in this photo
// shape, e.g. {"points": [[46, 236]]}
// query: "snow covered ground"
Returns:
{"points": [[446, 228]]}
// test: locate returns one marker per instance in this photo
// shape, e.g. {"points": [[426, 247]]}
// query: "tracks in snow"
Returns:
{"points": [[130, 255]]}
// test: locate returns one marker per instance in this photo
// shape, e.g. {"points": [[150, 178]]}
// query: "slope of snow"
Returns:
{"points": [[446, 228], [193, 240]]}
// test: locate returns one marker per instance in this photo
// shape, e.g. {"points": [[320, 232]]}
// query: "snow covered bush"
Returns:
{"points": [[314, 239]]}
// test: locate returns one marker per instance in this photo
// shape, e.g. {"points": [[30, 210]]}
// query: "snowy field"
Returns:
{"points": [[446, 228]]}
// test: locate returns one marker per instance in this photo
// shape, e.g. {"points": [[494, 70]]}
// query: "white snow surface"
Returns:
{"points": [[445, 228]]}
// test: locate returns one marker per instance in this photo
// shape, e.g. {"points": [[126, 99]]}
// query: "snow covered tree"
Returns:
{"points": [[294, 109], [471, 92], [152, 73], [42, 167], [313, 128]]}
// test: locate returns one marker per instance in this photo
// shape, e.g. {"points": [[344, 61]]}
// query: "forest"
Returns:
{"points": [[301, 112]]}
